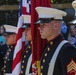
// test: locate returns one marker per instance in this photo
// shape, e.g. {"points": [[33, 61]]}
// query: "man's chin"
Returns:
{"points": [[43, 37]]}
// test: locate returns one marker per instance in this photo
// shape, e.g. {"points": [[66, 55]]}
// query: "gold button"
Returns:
{"points": [[41, 67], [45, 54], [48, 49], [21, 71], [11, 46], [43, 60], [22, 66], [41, 74], [23, 61], [4, 71], [26, 51], [24, 56], [51, 43], [4, 61], [29, 47], [4, 66]]}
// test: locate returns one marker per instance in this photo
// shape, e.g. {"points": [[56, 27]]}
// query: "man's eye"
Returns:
{"points": [[42, 24]]}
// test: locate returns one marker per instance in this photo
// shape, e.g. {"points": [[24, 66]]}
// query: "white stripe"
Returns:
{"points": [[19, 45], [28, 65], [20, 22], [53, 60], [17, 69], [25, 4], [7, 74]]}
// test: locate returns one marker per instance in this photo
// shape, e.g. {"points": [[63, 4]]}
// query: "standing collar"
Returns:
{"points": [[56, 40]]}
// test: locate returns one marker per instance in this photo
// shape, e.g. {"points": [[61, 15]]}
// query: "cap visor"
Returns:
{"points": [[38, 22], [24, 26]]}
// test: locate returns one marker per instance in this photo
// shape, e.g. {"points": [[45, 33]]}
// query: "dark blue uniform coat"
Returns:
{"points": [[24, 62], [66, 56]]}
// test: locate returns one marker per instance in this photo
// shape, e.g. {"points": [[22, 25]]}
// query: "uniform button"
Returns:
{"points": [[29, 47], [6, 57], [8, 53], [22, 66], [4, 71], [4, 66], [26, 51], [24, 56], [11, 46], [45, 54], [41, 67], [41, 74], [48, 49], [51, 43], [21, 71], [10, 50], [43, 60], [23, 61], [4, 61]]}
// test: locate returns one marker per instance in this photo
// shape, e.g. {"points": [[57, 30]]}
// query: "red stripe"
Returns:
{"points": [[18, 56], [24, 11]]}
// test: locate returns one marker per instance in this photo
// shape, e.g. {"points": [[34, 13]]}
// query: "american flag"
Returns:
{"points": [[20, 39]]}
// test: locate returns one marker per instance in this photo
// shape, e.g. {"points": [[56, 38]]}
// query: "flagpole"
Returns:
{"points": [[38, 67]]}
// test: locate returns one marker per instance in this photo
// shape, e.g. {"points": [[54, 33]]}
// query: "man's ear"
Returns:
{"points": [[56, 25]]}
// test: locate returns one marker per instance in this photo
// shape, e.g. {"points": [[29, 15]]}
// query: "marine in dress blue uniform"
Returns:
{"points": [[26, 62], [59, 56], [8, 58]]}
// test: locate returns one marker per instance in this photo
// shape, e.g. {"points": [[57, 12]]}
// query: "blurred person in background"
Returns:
{"points": [[64, 29], [2, 38], [3, 46], [10, 35], [72, 32]]}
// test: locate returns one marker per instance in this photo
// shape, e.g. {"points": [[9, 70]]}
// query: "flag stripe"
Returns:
{"points": [[18, 59]]}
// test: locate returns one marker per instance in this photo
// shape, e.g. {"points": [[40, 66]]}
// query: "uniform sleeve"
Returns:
{"points": [[68, 60], [3, 49]]}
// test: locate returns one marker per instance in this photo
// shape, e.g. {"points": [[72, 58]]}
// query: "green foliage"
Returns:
{"points": [[61, 1], [16, 2], [9, 2]]}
